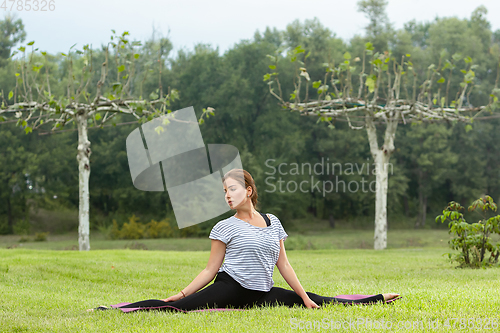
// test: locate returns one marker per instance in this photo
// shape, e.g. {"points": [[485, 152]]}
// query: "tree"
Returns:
{"points": [[12, 33], [15, 164], [379, 30], [430, 160], [388, 76], [35, 105]]}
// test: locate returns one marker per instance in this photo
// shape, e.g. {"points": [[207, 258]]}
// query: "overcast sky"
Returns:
{"points": [[218, 22]]}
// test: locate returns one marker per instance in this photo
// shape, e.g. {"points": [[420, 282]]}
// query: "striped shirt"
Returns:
{"points": [[251, 252]]}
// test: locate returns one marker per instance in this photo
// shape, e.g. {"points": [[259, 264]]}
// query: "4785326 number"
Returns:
{"points": [[29, 5]]}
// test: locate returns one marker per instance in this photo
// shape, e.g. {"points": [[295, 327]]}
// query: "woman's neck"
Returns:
{"points": [[246, 214]]}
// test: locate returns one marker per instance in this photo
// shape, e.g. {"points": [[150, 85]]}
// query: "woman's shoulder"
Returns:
{"points": [[225, 223], [274, 219], [272, 216]]}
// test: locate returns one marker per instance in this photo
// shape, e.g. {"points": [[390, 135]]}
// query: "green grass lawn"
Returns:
{"points": [[298, 240], [49, 291]]}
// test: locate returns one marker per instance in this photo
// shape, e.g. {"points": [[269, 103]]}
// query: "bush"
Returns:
{"points": [[41, 236], [192, 231], [22, 227], [114, 233], [160, 229], [136, 230], [472, 240], [105, 230], [24, 239], [154, 229], [132, 229], [4, 225]]}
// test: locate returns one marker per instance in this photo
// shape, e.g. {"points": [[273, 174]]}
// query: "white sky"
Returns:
{"points": [[218, 22]]}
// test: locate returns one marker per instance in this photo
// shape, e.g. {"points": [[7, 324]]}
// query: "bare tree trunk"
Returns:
{"points": [[382, 180], [84, 175], [381, 157]]}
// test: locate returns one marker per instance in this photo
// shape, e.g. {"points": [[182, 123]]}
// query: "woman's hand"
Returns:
{"points": [[309, 303], [290, 277], [173, 298]]}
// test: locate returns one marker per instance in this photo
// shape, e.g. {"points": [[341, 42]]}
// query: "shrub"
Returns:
{"points": [[191, 231], [41, 236], [24, 239], [154, 229], [114, 233], [22, 227], [472, 240], [105, 230], [160, 229], [4, 225], [132, 229]]}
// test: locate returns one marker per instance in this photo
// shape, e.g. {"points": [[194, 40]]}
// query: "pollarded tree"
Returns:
{"points": [[338, 97], [36, 105]]}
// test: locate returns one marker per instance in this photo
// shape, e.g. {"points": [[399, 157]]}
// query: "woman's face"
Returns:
{"points": [[235, 193]]}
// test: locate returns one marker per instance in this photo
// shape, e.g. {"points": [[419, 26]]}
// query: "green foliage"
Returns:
{"points": [[114, 233], [12, 34], [24, 239], [206, 77], [4, 226], [132, 229], [136, 230], [472, 240], [41, 236], [160, 229], [192, 231], [22, 227], [370, 83]]}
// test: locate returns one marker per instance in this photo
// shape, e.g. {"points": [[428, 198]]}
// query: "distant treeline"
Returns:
{"points": [[432, 165]]}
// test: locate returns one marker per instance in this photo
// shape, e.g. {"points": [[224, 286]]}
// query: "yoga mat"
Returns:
{"points": [[166, 307], [169, 307]]}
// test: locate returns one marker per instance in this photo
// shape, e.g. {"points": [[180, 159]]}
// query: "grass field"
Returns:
{"points": [[298, 240], [49, 291]]}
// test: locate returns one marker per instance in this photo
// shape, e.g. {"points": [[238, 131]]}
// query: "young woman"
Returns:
{"points": [[245, 248]]}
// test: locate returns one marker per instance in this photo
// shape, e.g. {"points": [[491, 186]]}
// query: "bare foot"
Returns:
{"points": [[389, 296], [101, 307]]}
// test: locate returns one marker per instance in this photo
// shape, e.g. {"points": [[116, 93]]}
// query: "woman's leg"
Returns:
{"points": [[224, 292], [280, 296]]}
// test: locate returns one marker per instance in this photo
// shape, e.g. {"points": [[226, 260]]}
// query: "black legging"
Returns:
{"points": [[225, 292]]}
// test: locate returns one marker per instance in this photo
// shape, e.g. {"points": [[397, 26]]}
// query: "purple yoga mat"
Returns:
{"points": [[349, 297], [168, 306]]}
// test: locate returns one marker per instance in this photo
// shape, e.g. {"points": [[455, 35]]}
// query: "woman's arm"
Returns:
{"points": [[217, 253], [290, 277]]}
